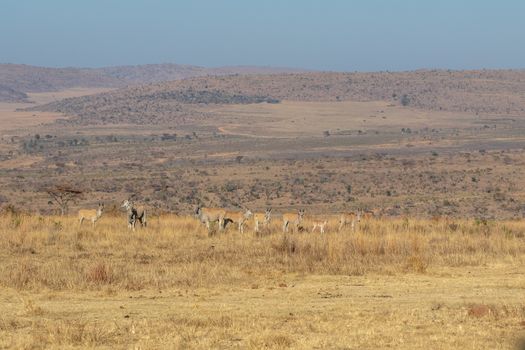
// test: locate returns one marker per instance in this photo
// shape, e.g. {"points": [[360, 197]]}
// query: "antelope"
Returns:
{"points": [[263, 218], [292, 218], [134, 214], [91, 214], [238, 217], [438, 219], [321, 224], [350, 218], [209, 215], [371, 214]]}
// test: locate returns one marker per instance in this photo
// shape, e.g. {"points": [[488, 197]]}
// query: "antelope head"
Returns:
{"points": [[358, 215], [127, 204], [100, 208], [248, 213]]}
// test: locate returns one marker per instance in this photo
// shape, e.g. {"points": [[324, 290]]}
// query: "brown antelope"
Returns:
{"points": [[134, 214], [237, 217], [91, 214], [292, 218], [352, 218], [209, 215], [321, 224], [263, 218], [371, 214], [440, 219]]}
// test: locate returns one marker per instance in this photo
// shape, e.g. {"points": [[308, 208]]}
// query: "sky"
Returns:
{"points": [[335, 35]]}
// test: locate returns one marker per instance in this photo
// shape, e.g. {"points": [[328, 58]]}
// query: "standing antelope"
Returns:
{"points": [[209, 215], [263, 218], [91, 214], [292, 218], [238, 217], [134, 214], [371, 214], [350, 218], [321, 224]]}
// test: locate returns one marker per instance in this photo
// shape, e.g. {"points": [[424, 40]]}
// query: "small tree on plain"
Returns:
{"points": [[62, 195]]}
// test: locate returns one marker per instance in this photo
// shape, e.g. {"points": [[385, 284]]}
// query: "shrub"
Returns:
{"points": [[405, 100]]}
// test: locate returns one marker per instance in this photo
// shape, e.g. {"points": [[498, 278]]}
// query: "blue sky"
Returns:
{"points": [[342, 35]]}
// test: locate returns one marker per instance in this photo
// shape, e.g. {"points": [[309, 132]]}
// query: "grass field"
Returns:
{"points": [[303, 119], [399, 283]]}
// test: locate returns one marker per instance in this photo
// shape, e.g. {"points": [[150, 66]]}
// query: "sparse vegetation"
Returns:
{"points": [[436, 90], [449, 214], [405, 100]]}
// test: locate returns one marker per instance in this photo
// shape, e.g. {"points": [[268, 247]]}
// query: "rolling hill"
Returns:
{"points": [[484, 92], [17, 78], [9, 94]]}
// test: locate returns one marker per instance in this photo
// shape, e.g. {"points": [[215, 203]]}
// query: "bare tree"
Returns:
{"points": [[62, 195]]}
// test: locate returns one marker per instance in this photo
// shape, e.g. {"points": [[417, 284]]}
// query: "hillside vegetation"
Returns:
{"points": [[41, 79], [477, 92], [10, 94], [24, 78]]}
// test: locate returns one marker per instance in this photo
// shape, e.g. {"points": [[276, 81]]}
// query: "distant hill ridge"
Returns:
{"points": [[18, 79], [152, 73], [483, 92]]}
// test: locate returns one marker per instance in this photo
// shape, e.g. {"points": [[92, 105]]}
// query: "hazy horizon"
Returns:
{"points": [[375, 35]]}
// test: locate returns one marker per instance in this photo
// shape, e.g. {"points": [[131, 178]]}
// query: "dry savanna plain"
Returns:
{"points": [[439, 156]]}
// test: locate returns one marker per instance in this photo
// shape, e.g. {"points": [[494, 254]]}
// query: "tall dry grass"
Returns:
{"points": [[55, 253]]}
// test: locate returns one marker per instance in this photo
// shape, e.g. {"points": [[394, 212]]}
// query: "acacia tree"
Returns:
{"points": [[62, 195]]}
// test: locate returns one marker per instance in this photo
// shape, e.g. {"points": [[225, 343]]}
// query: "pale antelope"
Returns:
{"points": [[91, 214], [263, 218], [351, 218], [321, 224], [238, 218], [134, 214], [292, 218], [209, 215]]}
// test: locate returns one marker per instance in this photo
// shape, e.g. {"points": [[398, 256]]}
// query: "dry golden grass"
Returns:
{"points": [[300, 118], [394, 283]]}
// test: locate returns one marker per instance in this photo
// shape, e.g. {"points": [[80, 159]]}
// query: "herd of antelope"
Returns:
{"points": [[222, 217], [134, 214]]}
